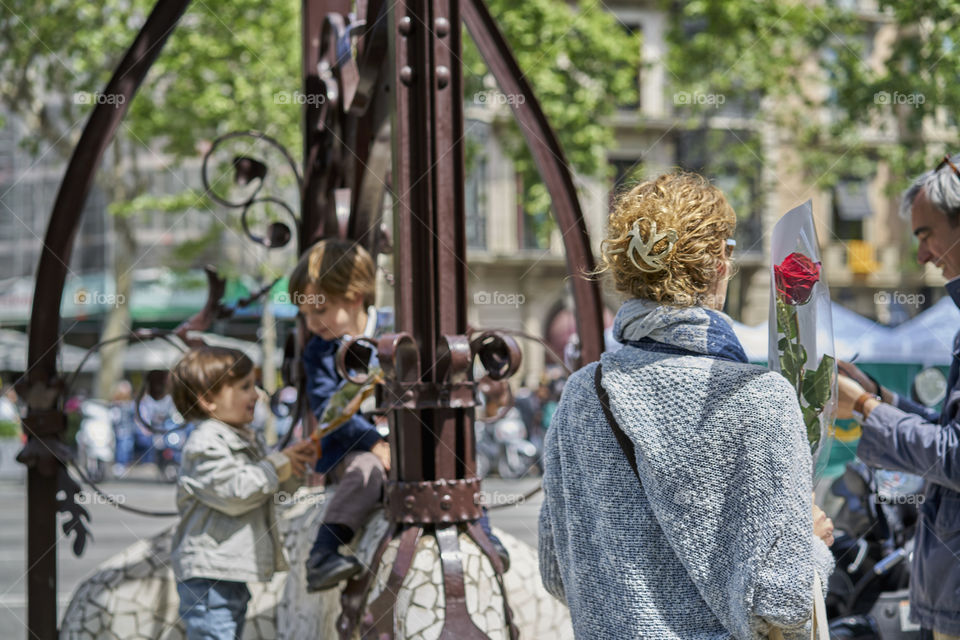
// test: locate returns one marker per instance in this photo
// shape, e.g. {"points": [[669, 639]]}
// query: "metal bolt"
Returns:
{"points": [[409, 503], [405, 25], [406, 77], [446, 502], [441, 26], [443, 76]]}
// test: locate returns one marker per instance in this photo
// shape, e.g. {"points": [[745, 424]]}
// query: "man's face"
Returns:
{"points": [[330, 317], [939, 241]]}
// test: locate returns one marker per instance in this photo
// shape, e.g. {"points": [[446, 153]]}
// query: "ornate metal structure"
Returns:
{"points": [[387, 108]]}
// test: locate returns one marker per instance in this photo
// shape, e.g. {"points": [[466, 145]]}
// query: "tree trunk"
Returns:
{"points": [[118, 321], [268, 342]]}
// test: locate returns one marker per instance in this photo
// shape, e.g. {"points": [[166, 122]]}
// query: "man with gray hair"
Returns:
{"points": [[903, 435]]}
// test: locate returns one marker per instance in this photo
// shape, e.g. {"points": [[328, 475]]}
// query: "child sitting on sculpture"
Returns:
{"points": [[333, 286], [227, 535]]}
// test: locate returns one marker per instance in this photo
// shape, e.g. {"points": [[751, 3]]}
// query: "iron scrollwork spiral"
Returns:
{"points": [[249, 170]]}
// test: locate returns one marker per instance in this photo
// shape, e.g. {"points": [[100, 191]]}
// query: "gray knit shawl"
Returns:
{"points": [[717, 541]]}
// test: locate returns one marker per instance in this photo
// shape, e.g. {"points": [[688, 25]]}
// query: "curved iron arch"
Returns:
{"points": [[43, 388]]}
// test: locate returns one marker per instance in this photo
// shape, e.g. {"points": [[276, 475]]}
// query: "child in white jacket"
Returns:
{"points": [[227, 534]]}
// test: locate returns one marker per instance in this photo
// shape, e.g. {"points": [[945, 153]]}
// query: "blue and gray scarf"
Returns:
{"points": [[677, 330]]}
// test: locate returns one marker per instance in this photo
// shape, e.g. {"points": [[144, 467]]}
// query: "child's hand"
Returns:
{"points": [[382, 451], [300, 455]]}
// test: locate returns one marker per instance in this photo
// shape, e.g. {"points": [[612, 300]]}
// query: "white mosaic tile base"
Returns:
{"points": [[133, 595]]}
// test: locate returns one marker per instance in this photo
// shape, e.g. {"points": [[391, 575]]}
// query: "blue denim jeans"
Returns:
{"points": [[213, 609]]}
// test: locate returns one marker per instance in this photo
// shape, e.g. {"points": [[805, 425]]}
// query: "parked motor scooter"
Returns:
{"points": [[96, 442], [167, 446], [502, 444], [868, 595]]}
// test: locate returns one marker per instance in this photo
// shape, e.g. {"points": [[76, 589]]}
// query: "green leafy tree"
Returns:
{"points": [[581, 63], [221, 70], [849, 90], [234, 65]]}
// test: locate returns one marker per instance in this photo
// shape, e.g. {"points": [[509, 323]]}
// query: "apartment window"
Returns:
{"points": [[700, 151], [626, 173], [850, 207], [633, 103], [475, 204]]}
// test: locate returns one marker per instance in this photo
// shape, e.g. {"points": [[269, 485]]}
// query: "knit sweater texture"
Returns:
{"points": [[716, 541]]}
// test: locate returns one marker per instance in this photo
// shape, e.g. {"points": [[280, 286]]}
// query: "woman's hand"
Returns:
{"points": [[822, 526], [300, 455], [382, 451]]}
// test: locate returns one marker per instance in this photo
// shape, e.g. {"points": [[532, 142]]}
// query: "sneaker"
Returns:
{"points": [[329, 570]]}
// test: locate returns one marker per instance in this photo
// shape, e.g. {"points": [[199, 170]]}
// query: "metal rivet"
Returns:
{"points": [[405, 25], [409, 503], [446, 502], [406, 77], [443, 76], [441, 26]]}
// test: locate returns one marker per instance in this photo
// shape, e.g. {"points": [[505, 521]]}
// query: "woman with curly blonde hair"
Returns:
{"points": [[677, 476]]}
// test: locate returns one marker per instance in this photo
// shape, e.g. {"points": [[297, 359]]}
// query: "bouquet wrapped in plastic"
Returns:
{"points": [[801, 327]]}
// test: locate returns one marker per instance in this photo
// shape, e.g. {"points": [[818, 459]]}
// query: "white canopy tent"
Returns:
{"points": [[853, 335], [13, 354], [926, 339], [160, 354]]}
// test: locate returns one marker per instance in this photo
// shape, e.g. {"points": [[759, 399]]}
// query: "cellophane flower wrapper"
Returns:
{"points": [[801, 327]]}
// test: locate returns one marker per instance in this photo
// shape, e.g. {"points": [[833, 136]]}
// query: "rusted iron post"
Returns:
{"points": [[45, 422]]}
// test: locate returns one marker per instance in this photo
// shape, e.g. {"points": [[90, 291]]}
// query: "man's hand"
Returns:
{"points": [[822, 526], [382, 451], [851, 371], [848, 392], [300, 455]]}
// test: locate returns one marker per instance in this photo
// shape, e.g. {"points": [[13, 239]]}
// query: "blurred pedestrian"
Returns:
{"points": [[124, 425]]}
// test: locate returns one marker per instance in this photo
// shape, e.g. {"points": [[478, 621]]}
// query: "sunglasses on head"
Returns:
{"points": [[946, 162], [731, 245]]}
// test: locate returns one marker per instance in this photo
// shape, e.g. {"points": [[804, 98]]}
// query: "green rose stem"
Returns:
{"points": [[813, 387]]}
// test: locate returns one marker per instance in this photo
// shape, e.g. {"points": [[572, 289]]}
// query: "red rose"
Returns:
{"points": [[795, 277]]}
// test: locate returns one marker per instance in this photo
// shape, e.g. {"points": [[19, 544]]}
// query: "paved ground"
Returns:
{"points": [[114, 530]]}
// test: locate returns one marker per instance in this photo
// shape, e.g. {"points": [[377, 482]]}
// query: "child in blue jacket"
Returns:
{"points": [[333, 286]]}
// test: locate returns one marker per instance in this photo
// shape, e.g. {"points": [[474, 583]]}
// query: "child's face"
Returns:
{"points": [[331, 317], [234, 402]]}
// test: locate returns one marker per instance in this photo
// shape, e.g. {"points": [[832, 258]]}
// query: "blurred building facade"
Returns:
{"points": [[518, 278], [868, 255]]}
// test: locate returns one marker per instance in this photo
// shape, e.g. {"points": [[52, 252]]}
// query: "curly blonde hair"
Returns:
{"points": [[703, 220]]}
